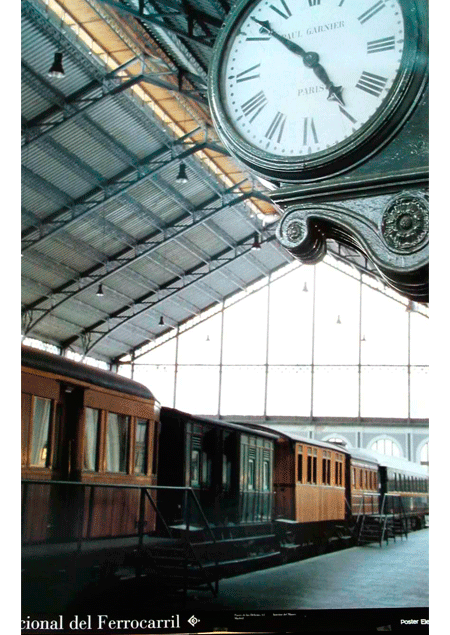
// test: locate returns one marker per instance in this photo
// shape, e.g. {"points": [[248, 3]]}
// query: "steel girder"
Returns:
{"points": [[99, 196], [126, 257], [103, 328], [193, 17]]}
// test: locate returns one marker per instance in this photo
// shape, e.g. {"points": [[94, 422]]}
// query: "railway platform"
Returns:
{"points": [[369, 576]]}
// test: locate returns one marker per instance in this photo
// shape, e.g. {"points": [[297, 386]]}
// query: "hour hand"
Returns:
{"points": [[311, 60]]}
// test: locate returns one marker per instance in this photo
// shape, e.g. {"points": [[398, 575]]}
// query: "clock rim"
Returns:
{"points": [[371, 137]]}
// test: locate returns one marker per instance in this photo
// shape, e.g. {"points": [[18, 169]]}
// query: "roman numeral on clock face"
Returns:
{"points": [[371, 12], [371, 83], [308, 130], [277, 124], [385, 44], [313, 3], [254, 105], [244, 76], [280, 12]]}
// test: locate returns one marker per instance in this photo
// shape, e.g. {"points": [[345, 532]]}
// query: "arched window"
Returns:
{"points": [[338, 441], [386, 446], [424, 455]]}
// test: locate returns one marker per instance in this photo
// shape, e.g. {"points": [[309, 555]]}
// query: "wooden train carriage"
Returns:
{"points": [[228, 466], [310, 486], [405, 487], [364, 491], [85, 431]]}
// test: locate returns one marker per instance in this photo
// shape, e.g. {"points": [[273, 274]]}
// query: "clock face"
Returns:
{"points": [[300, 82]]}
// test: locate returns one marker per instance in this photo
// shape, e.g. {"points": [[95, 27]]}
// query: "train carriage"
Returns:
{"points": [[364, 482], [228, 466], [113, 481], [404, 485], [84, 429], [310, 481]]}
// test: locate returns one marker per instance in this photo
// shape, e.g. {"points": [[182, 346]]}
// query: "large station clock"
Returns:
{"points": [[304, 89]]}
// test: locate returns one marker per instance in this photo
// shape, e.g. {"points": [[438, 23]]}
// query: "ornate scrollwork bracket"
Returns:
{"points": [[392, 231]]}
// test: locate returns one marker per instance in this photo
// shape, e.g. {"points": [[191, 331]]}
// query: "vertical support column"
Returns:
{"points": [[267, 347], [409, 365], [359, 345], [311, 411], [221, 360], [176, 368], [133, 357]]}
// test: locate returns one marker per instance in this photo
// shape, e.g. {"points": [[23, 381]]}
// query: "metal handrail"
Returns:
{"points": [[144, 489]]}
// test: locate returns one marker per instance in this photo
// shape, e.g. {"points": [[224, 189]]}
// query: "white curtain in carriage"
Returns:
{"points": [[41, 425], [90, 439], [117, 437]]}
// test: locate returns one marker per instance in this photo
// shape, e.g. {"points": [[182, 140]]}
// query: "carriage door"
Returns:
{"points": [[68, 500]]}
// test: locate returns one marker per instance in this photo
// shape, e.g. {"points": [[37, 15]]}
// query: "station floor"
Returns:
{"points": [[370, 576]]}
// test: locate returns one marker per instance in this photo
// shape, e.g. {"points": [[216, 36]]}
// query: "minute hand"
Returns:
{"points": [[310, 60], [291, 46]]}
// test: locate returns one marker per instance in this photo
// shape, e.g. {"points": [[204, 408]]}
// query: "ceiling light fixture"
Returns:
{"points": [[305, 288], [182, 176], [256, 244], [100, 291], [338, 321], [161, 321], [56, 69]]}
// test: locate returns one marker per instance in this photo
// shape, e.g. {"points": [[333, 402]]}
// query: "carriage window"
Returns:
{"points": [[361, 479], [326, 468], [117, 442], [251, 473], [300, 467], [266, 476], [155, 447], [226, 472], [314, 475], [40, 434], [206, 469], [338, 472], [141, 444], [354, 477], [311, 476], [90, 439], [195, 467]]}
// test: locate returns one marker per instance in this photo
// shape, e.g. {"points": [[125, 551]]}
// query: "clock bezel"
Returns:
{"points": [[381, 127]]}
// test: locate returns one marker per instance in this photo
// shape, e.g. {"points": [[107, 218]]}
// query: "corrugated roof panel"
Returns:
{"points": [[46, 165], [111, 116], [175, 252], [32, 101], [64, 252], [85, 141], [206, 240], [38, 50], [38, 203]]}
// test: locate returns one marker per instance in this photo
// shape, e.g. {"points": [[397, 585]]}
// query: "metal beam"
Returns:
{"points": [[154, 20], [103, 328], [74, 105], [126, 257], [99, 196]]}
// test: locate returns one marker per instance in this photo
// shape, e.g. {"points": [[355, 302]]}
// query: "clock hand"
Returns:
{"points": [[291, 46], [310, 60]]}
